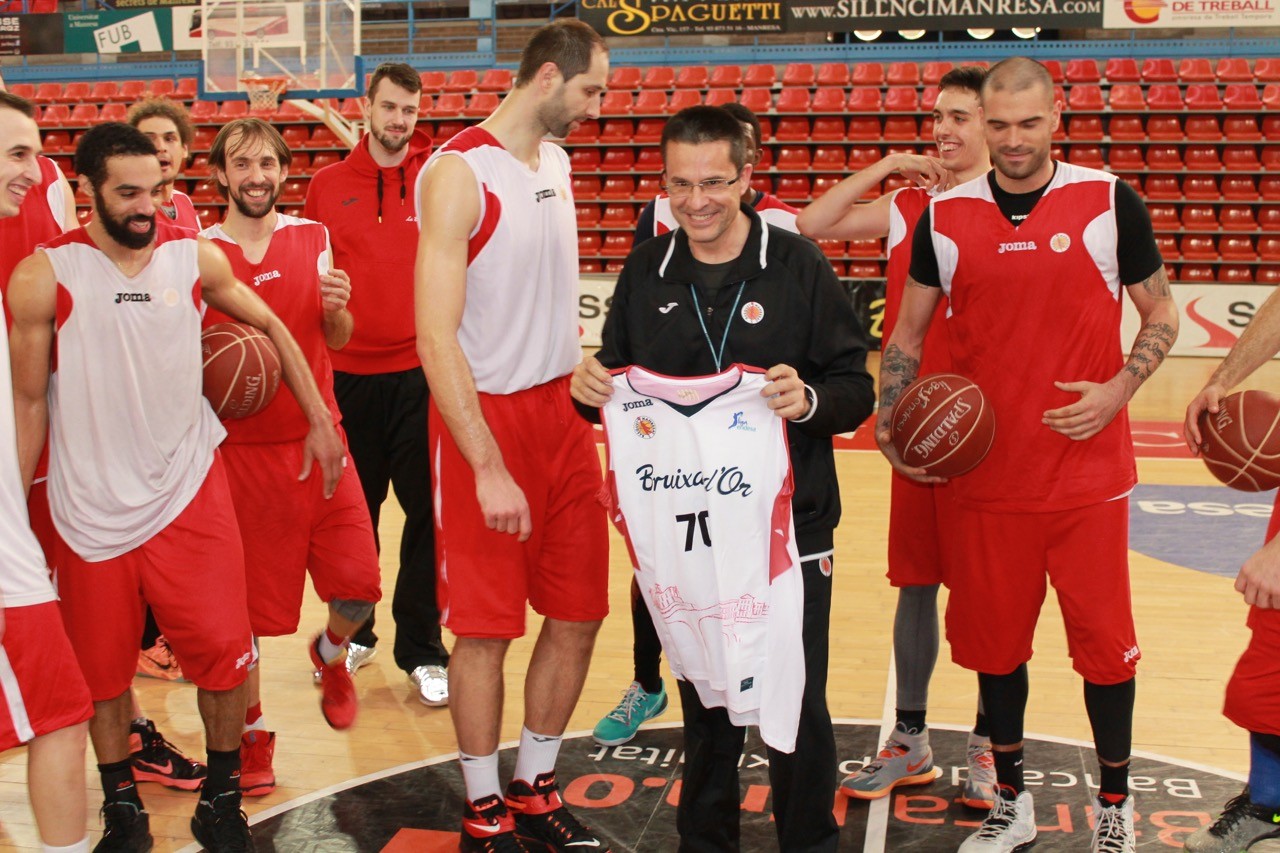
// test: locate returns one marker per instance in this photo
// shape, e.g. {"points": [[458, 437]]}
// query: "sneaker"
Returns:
{"points": [[979, 791], [154, 759], [432, 683], [1113, 827], [221, 826], [621, 724], [541, 816], [487, 827], [1010, 825], [126, 827], [357, 656], [338, 693], [1239, 827], [159, 662], [257, 778], [904, 760]]}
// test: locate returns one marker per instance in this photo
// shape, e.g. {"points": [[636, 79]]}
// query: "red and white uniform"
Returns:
{"points": [[1253, 693], [519, 333], [700, 485], [136, 489], [1031, 305], [915, 557], [772, 211], [288, 527], [186, 212]]}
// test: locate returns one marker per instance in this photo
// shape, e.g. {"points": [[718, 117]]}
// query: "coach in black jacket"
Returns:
{"points": [[723, 289]]}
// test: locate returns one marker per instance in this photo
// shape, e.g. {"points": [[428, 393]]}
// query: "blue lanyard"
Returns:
{"points": [[718, 356]]}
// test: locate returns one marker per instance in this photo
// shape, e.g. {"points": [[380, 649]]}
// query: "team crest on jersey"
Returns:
{"points": [[753, 312], [740, 422], [1059, 242], [645, 428], [169, 297]]}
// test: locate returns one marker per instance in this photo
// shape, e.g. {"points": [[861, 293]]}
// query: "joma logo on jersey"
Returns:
{"points": [[541, 194], [1025, 246], [638, 404], [266, 276], [132, 297]]}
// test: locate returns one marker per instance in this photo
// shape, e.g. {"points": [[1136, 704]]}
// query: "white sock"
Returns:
{"points": [[81, 846], [329, 650], [537, 755], [480, 775]]}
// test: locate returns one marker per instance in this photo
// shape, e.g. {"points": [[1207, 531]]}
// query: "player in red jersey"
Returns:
{"points": [[168, 126], [1033, 257], [915, 547], [289, 525], [1253, 693]]}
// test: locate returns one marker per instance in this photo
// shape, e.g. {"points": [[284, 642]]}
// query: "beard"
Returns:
{"points": [[556, 119], [1025, 170], [253, 212], [118, 229], [389, 144]]}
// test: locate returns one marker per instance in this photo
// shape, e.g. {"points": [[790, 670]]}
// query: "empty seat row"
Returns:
{"points": [[1207, 128], [1226, 274], [1228, 247], [1189, 70], [766, 76], [466, 80], [1171, 96], [1208, 188], [105, 91], [1205, 217]]}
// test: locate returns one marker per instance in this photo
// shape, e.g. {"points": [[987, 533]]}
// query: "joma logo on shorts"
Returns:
{"points": [[132, 297], [266, 276], [1026, 246], [1132, 654], [638, 404]]}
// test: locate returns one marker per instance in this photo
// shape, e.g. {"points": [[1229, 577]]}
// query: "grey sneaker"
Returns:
{"points": [[432, 682], [1241, 826], [357, 656], [979, 791], [904, 760], [1009, 826], [1113, 829]]}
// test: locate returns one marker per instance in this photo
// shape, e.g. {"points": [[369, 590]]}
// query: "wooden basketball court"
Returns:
{"points": [[1190, 624]]}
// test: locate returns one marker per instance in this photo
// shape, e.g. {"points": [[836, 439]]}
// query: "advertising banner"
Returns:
{"points": [[682, 17], [119, 32], [30, 35], [1137, 14], [1211, 316], [849, 15]]}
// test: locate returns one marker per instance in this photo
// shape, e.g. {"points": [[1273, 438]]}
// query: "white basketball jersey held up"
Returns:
{"points": [[700, 486], [131, 435]]}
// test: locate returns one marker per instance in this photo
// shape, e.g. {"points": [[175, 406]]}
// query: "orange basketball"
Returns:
{"points": [[943, 424], [241, 369], [1241, 443]]}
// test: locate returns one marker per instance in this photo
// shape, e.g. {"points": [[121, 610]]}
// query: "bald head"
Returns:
{"points": [[1018, 74]]}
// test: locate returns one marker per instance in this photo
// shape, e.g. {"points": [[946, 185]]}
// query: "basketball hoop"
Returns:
{"points": [[264, 93]]}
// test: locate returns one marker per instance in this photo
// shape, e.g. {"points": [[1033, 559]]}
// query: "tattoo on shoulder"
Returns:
{"points": [[1157, 284], [911, 282]]}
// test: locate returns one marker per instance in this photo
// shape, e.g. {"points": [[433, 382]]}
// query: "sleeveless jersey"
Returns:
{"points": [[700, 486], [24, 579], [39, 219], [130, 433], [520, 323], [288, 279], [1031, 305], [905, 208], [772, 211], [186, 210]]}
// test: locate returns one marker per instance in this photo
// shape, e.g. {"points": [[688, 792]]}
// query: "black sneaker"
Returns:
{"points": [[157, 760], [221, 825], [541, 816], [487, 827], [127, 827], [1241, 825]]}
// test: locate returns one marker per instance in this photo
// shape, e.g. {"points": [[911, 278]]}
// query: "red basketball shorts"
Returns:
{"points": [[999, 565], [40, 679], [1253, 693], [288, 529], [916, 524], [192, 575], [485, 577]]}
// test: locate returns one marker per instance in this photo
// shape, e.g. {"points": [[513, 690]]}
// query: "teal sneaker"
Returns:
{"points": [[621, 724]]}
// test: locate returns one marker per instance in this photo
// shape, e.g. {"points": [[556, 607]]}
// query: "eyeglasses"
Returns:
{"points": [[711, 186]]}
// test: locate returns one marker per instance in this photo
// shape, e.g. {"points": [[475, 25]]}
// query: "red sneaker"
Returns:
{"points": [[257, 778], [487, 827], [540, 816], [337, 691]]}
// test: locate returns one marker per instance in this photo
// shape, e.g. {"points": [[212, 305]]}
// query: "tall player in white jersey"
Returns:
{"points": [[516, 472], [137, 490], [44, 702], [915, 547]]}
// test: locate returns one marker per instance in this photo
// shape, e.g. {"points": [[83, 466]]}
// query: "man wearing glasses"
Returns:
{"points": [[721, 289]]}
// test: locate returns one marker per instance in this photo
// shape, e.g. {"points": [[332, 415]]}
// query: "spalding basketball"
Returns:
{"points": [[241, 369], [943, 424], [1241, 443]]}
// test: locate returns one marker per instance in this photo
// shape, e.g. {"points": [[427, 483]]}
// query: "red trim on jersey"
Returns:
{"points": [[609, 498], [62, 309], [488, 224], [780, 526], [470, 139]]}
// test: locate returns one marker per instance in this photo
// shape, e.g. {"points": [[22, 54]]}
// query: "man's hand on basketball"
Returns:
{"points": [[591, 384], [335, 290], [324, 448], [785, 392], [884, 438], [503, 503], [1086, 417], [1259, 578], [1208, 400]]}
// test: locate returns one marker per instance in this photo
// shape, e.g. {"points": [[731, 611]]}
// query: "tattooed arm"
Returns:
{"points": [[900, 363], [1099, 403]]}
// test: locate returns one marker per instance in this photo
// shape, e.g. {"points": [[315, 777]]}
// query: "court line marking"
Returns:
{"points": [[878, 815]]}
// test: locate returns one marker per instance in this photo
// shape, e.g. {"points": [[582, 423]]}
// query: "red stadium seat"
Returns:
{"points": [[1241, 128], [1234, 69], [760, 75], [616, 245], [618, 187], [585, 159], [1133, 181], [1054, 67], [648, 186], [1164, 217], [1198, 247], [1202, 157], [726, 77], [433, 81], [75, 92], [1269, 248], [57, 140], [861, 129], [1271, 127], [1195, 70], [828, 158], [1204, 128], [618, 216], [792, 188], [82, 114], [187, 89], [692, 77], [48, 93], [588, 267], [1241, 158], [868, 74], [793, 158], [902, 99], [1268, 274], [203, 111], [447, 130], [682, 98], [865, 249], [720, 97], [832, 248], [586, 187], [625, 77], [1159, 71], [862, 156], [617, 103], [934, 72], [132, 90], [618, 160], [1163, 96], [1269, 218], [1162, 188], [320, 159], [828, 129], [823, 183], [651, 102], [901, 128], [1267, 70], [864, 99], [1271, 96], [1199, 217], [1237, 248], [1084, 127], [1203, 96], [24, 90], [205, 192], [1127, 96], [865, 269], [1082, 71], [1124, 157], [1122, 69], [798, 74], [1269, 187], [461, 80], [613, 130], [649, 130], [588, 215], [204, 138], [1126, 128], [929, 99], [1237, 217], [1195, 272], [351, 109], [1242, 96], [495, 80], [1085, 96], [793, 101], [1085, 155], [757, 100], [1201, 188], [926, 128], [208, 216], [113, 112], [903, 74], [658, 77], [1164, 128], [163, 87], [792, 130], [1168, 246], [826, 100], [449, 104], [1235, 274], [833, 74]]}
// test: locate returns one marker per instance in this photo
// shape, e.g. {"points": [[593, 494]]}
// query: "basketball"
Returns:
{"points": [[241, 369], [942, 423], [1241, 443]]}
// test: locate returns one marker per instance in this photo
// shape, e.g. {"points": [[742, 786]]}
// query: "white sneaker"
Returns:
{"points": [[1113, 827], [357, 656], [979, 791], [904, 760], [432, 682], [1011, 825]]}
